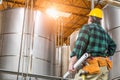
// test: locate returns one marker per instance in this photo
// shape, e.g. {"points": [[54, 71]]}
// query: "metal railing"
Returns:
{"points": [[33, 75]]}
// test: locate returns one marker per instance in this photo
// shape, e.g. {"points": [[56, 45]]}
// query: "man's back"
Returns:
{"points": [[100, 42]]}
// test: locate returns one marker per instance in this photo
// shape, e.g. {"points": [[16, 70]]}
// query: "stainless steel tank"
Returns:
{"points": [[27, 43], [112, 24]]}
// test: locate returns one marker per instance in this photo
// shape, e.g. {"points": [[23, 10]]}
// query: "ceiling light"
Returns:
{"points": [[56, 14], [0, 1]]}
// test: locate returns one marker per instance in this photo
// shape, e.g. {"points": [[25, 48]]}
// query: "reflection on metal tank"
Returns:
{"points": [[32, 37], [112, 23], [73, 38], [65, 58], [62, 60]]}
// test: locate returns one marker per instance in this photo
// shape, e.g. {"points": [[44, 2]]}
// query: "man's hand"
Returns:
{"points": [[71, 68], [71, 64]]}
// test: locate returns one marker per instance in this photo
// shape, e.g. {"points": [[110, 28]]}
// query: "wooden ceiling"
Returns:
{"points": [[78, 9]]}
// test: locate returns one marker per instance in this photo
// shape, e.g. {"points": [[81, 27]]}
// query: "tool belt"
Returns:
{"points": [[94, 64], [109, 63]]}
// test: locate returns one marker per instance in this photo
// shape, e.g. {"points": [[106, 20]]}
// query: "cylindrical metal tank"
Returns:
{"points": [[27, 43], [112, 24]]}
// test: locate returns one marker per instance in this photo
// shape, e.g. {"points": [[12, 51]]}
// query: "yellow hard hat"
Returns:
{"points": [[96, 12]]}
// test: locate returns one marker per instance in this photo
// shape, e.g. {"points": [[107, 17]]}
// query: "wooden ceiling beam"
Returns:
{"points": [[85, 4], [73, 27], [16, 2], [23, 3], [71, 5]]}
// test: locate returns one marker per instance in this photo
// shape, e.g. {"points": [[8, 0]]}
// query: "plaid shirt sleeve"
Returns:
{"points": [[81, 42], [111, 47]]}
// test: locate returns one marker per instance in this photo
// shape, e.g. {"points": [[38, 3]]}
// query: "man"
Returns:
{"points": [[94, 40]]}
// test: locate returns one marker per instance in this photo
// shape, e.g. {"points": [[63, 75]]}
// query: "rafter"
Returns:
{"points": [[71, 5]]}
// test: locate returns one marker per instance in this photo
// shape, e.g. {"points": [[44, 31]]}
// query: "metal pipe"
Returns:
{"points": [[31, 43], [22, 39], [2, 37], [92, 4], [33, 75], [112, 2], [59, 46], [61, 25]]}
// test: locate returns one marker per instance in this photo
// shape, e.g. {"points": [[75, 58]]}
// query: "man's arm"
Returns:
{"points": [[80, 47], [81, 42], [111, 47], [72, 62]]}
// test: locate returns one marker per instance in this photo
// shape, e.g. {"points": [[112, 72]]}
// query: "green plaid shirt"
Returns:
{"points": [[93, 39]]}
